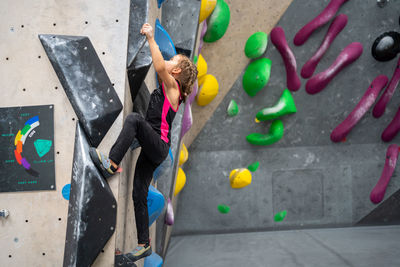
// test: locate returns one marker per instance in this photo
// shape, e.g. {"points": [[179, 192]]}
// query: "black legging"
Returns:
{"points": [[154, 151]]}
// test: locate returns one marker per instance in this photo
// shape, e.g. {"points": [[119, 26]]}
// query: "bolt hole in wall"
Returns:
{"points": [[104, 53], [116, 20], [59, 219], [73, 119], [58, 152], [7, 58], [26, 221], [44, 254], [22, 26], [56, 87], [86, 22], [23, 89], [54, 24]]}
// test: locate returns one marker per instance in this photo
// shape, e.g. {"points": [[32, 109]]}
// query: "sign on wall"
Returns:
{"points": [[27, 148]]}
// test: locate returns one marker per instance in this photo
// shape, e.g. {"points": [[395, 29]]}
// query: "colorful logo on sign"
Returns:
{"points": [[19, 141]]}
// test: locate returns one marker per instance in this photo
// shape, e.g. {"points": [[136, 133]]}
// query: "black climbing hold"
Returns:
{"points": [[121, 261], [85, 82], [138, 70], [141, 101], [92, 208], [386, 46], [138, 15]]}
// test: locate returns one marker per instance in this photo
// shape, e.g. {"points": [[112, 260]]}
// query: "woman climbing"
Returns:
{"points": [[176, 78]]}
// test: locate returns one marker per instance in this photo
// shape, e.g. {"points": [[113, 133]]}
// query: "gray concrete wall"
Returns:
{"points": [[319, 183], [355, 246]]}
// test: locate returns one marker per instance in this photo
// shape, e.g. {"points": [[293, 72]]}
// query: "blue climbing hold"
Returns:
{"points": [[164, 41], [66, 191], [171, 156], [154, 260], [160, 2], [155, 204]]}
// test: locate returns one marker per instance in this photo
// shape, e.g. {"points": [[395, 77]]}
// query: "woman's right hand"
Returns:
{"points": [[147, 30]]}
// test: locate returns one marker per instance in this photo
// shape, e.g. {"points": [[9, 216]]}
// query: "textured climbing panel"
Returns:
{"points": [[92, 208], [180, 20], [85, 82]]}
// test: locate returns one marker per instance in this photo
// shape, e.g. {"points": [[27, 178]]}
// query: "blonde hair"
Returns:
{"points": [[187, 77]]}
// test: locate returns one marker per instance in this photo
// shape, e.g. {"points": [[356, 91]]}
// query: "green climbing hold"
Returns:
{"points": [[256, 76], [195, 58], [280, 216], [218, 22], [284, 106], [233, 108], [224, 209], [274, 134], [253, 167], [42, 146], [256, 45]]}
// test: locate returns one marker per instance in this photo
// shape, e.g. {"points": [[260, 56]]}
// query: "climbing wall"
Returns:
{"points": [[319, 183], [180, 19], [35, 231]]}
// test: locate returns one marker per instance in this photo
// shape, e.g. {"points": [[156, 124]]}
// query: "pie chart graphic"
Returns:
{"points": [[19, 142]]}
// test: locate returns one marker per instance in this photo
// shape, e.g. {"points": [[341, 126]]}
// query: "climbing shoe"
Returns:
{"points": [[102, 162], [138, 253]]}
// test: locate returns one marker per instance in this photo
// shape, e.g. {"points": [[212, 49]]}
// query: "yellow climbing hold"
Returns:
{"points": [[206, 8], [256, 120], [184, 155], [180, 181], [240, 178], [208, 91], [201, 69]]}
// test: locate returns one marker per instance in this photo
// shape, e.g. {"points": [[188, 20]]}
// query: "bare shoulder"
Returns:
{"points": [[172, 93]]}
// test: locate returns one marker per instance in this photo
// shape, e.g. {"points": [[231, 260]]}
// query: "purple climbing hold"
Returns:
{"points": [[192, 96], [202, 33], [187, 119], [169, 217]]}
